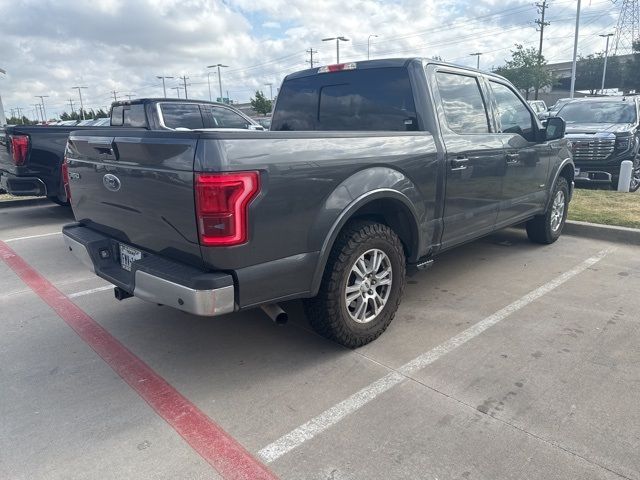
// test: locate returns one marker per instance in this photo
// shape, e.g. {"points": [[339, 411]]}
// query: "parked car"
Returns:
{"points": [[369, 169], [101, 122], [555, 108], [604, 131], [539, 107], [31, 156]]}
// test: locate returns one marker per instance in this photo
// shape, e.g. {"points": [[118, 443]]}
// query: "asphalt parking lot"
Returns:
{"points": [[507, 360]]}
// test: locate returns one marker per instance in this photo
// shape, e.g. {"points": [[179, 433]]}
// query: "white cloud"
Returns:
{"points": [[48, 47]]}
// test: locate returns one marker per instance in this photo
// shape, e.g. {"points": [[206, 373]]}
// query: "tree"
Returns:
{"points": [[261, 104], [526, 70]]}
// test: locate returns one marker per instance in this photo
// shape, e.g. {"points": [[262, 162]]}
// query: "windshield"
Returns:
{"points": [[598, 112]]}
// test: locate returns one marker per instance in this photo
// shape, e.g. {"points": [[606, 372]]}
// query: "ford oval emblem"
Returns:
{"points": [[111, 182]]}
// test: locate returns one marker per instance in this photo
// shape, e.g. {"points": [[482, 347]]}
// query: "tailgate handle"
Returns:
{"points": [[104, 149]]}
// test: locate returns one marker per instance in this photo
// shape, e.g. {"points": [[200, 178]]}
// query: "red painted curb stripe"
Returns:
{"points": [[230, 459]]}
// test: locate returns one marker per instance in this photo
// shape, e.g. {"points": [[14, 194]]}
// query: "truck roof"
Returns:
{"points": [[392, 62], [146, 100], [608, 98]]}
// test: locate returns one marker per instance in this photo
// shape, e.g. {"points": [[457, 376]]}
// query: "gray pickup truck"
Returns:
{"points": [[370, 168]]}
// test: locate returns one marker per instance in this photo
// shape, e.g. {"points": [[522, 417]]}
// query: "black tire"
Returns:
{"points": [[540, 229], [59, 201], [635, 176], [328, 313]]}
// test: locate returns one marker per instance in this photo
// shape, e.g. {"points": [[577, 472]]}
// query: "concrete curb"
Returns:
{"points": [[23, 203], [602, 232]]}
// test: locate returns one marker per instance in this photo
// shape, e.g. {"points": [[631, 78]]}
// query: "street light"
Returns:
{"points": [[164, 88], [44, 111], [81, 105], [338, 40], [270, 85], [219, 78], [369, 44], [606, 54], [477, 54]]}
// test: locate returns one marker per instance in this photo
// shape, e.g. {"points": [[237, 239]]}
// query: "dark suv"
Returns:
{"points": [[604, 131]]}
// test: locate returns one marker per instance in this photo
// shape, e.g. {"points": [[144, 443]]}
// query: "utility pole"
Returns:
{"points": [[477, 54], [71, 105], [177, 89], [209, 84], [44, 110], [164, 88], [575, 53], [542, 7], [37, 110], [338, 40], [369, 45], [606, 55], [311, 51], [184, 81], [20, 114], [81, 105], [115, 95], [270, 85]]}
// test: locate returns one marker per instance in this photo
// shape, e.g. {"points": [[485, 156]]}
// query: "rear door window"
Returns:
{"points": [[462, 102], [373, 99], [182, 115], [134, 116]]}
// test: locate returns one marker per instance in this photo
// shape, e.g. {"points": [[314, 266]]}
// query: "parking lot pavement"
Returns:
{"points": [[531, 371]]}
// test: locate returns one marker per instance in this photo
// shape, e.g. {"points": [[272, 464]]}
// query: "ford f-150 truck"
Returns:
{"points": [[370, 168], [604, 132], [31, 156]]}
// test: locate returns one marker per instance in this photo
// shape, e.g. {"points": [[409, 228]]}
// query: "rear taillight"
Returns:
{"points": [[19, 148], [222, 202], [65, 179]]}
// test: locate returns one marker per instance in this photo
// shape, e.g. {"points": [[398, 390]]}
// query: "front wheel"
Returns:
{"points": [[546, 228], [361, 287], [635, 176]]}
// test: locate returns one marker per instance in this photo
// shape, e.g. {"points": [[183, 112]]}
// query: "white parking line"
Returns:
{"points": [[90, 291], [333, 415], [31, 236]]}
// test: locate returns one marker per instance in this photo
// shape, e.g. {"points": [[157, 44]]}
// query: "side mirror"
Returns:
{"points": [[554, 128]]}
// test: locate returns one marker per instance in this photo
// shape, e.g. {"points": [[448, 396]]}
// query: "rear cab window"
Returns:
{"points": [[129, 116], [181, 115], [464, 107], [372, 99]]}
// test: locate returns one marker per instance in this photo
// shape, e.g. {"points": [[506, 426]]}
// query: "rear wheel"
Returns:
{"points": [[60, 201], [546, 228], [361, 287]]}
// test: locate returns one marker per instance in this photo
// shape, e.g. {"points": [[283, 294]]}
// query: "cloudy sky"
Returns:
{"points": [[49, 46]]}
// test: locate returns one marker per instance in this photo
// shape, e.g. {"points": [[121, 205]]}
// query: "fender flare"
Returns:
{"points": [[345, 216], [564, 163]]}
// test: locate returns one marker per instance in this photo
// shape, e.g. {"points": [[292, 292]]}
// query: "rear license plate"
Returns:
{"points": [[128, 255]]}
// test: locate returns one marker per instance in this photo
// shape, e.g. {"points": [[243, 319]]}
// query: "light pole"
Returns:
{"points": [[338, 40], [270, 85], [44, 110], [164, 87], [81, 105], [219, 78], [606, 54], [477, 54], [369, 45], [575, 53]]}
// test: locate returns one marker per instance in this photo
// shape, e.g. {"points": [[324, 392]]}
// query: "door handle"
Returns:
{"points": [[512, 158], [459, 163]]}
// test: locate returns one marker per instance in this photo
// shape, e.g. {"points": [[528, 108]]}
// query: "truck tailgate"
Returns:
{"points": [[137, 186]]}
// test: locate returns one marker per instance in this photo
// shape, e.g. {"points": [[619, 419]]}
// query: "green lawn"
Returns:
{"points": [[606, 207]]}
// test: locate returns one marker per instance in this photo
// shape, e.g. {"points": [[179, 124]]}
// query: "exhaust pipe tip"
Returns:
{"points": [[275, 313]]}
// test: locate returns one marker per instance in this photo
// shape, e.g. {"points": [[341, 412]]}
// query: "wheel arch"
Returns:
{"points": [[384, 205], [566, 169]]}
